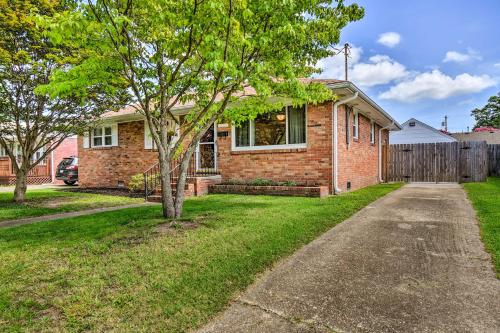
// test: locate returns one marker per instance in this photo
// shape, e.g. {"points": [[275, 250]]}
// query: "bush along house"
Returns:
{"points": [[313, 150]]}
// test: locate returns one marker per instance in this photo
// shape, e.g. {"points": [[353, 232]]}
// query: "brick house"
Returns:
{"points": [[44, 172], [334, 144]]}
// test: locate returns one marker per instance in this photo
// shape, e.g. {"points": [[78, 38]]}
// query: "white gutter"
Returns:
{"points": [[335, 122], [380, 151]]}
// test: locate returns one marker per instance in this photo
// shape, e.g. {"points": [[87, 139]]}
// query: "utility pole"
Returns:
{"points": [[346, 54]]}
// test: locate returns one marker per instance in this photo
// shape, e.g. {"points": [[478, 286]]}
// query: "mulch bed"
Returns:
{"points": [[107, 191]]}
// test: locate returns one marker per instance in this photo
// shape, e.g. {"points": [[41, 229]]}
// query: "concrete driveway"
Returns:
{"points": [[410, 262]]}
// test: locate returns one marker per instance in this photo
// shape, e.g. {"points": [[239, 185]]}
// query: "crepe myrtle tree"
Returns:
{"points": [[205, 53], [32, 119]]}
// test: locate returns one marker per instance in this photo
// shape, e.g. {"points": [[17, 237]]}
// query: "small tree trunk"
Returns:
{"points": [[166, 185], [181, 182], [21, 185]]}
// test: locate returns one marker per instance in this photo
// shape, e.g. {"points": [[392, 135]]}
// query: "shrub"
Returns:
{"points": [[136, 183], [261, 182]]}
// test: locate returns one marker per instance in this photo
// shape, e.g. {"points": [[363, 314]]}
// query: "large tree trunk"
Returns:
{"points": [[21, 185], [166, 186]]}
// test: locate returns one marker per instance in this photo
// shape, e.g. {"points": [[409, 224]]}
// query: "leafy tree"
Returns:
{"points": [[488, 115], [205, 52], [30, 119]]}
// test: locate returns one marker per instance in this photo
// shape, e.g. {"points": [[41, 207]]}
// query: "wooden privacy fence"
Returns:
{"points": [[494, 160], [438, 162]]}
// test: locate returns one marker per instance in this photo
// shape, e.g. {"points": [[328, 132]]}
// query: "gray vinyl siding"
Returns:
{"points": [[418, 134]]}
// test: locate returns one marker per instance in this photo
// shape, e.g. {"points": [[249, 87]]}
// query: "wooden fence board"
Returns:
{"points": [[438, 162], [494, 160]]}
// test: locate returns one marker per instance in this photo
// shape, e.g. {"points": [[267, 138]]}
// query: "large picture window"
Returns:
{"points": [[272, 130]]}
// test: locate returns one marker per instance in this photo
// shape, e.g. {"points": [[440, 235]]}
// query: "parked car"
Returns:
{"points": [[67, 170]]}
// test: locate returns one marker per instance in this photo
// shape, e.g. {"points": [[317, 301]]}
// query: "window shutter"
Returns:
{"points": [[86, 140], [148, 139], [114, 133]]}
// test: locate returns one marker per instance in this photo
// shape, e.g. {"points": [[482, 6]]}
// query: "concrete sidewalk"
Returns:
{"points": [[36, 187], [412, 261], [31, 220]]}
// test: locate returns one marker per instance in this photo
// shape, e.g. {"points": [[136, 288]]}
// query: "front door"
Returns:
{"points": [[206, 156]]}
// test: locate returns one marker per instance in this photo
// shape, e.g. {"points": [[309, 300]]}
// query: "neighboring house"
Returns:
{"points": [[491, 136], [415, 131], [297, 144], [44, 172]]}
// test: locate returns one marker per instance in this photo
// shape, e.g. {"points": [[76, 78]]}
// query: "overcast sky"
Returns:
{"points": [[424, 58]]}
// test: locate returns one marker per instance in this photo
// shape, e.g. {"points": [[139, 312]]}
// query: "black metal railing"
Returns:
{"points": [[200, 165]]}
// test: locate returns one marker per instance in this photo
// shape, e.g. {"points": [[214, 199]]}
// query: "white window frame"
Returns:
{"points": [[215, 135], [3, 152], [102, 136], [355, 126], [372, 132], [39, 153], [252, 146]]}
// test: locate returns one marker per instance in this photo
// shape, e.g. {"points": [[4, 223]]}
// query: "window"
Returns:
{"points": [[355, 126], [3, 153], [102, 137], [272, 130], [412, 124], [372, 132], [37, 155]]}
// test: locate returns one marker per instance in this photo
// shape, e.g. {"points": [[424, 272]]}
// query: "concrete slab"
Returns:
{"points": [[412, 261]]}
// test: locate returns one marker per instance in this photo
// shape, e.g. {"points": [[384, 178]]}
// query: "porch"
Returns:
{"points": [[40, 174]]}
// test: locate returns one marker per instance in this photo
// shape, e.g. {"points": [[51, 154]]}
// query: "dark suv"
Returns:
{"points": [[67, 170]]}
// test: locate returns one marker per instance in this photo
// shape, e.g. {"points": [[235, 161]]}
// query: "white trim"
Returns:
{"points": [[271, 147], [372, 132], [103, 136], [208, 143], [287, 145], [355, 123]]}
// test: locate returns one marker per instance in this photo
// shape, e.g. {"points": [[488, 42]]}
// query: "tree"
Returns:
{"points": [[30, 119], [206, 52], [488, 115]]}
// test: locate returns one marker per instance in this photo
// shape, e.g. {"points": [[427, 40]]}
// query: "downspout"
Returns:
{"points": [[52, 171], [380, 151], [335, 140]]}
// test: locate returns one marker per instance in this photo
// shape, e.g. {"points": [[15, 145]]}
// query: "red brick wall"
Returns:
{"points": [[69, 147], [311, 165], [358, 163], [105, 167], [358, 160]]}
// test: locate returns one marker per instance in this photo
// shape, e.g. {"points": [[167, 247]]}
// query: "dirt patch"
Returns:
{"points": [[55, 202], [169, 228]]}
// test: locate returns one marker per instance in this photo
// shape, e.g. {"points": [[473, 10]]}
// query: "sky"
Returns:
{"points": [[424, 58]]}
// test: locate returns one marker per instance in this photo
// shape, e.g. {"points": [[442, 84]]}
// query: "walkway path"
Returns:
{"points": [[410, 262], [31, 220]]}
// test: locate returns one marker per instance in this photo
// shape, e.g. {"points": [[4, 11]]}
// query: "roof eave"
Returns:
{"points": [[352, 87]]}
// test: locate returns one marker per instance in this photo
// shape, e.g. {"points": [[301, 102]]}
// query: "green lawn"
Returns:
{"points": [[485, 198], [119, 271], [52, 201]]}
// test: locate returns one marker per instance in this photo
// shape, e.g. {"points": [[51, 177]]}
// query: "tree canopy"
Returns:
{"points": [[202, 52], [31, 119], [488, 115]]}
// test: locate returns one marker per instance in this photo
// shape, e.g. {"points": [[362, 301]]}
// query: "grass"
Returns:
{"points": [[485, 198], [52, 201], [117, 271]]}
